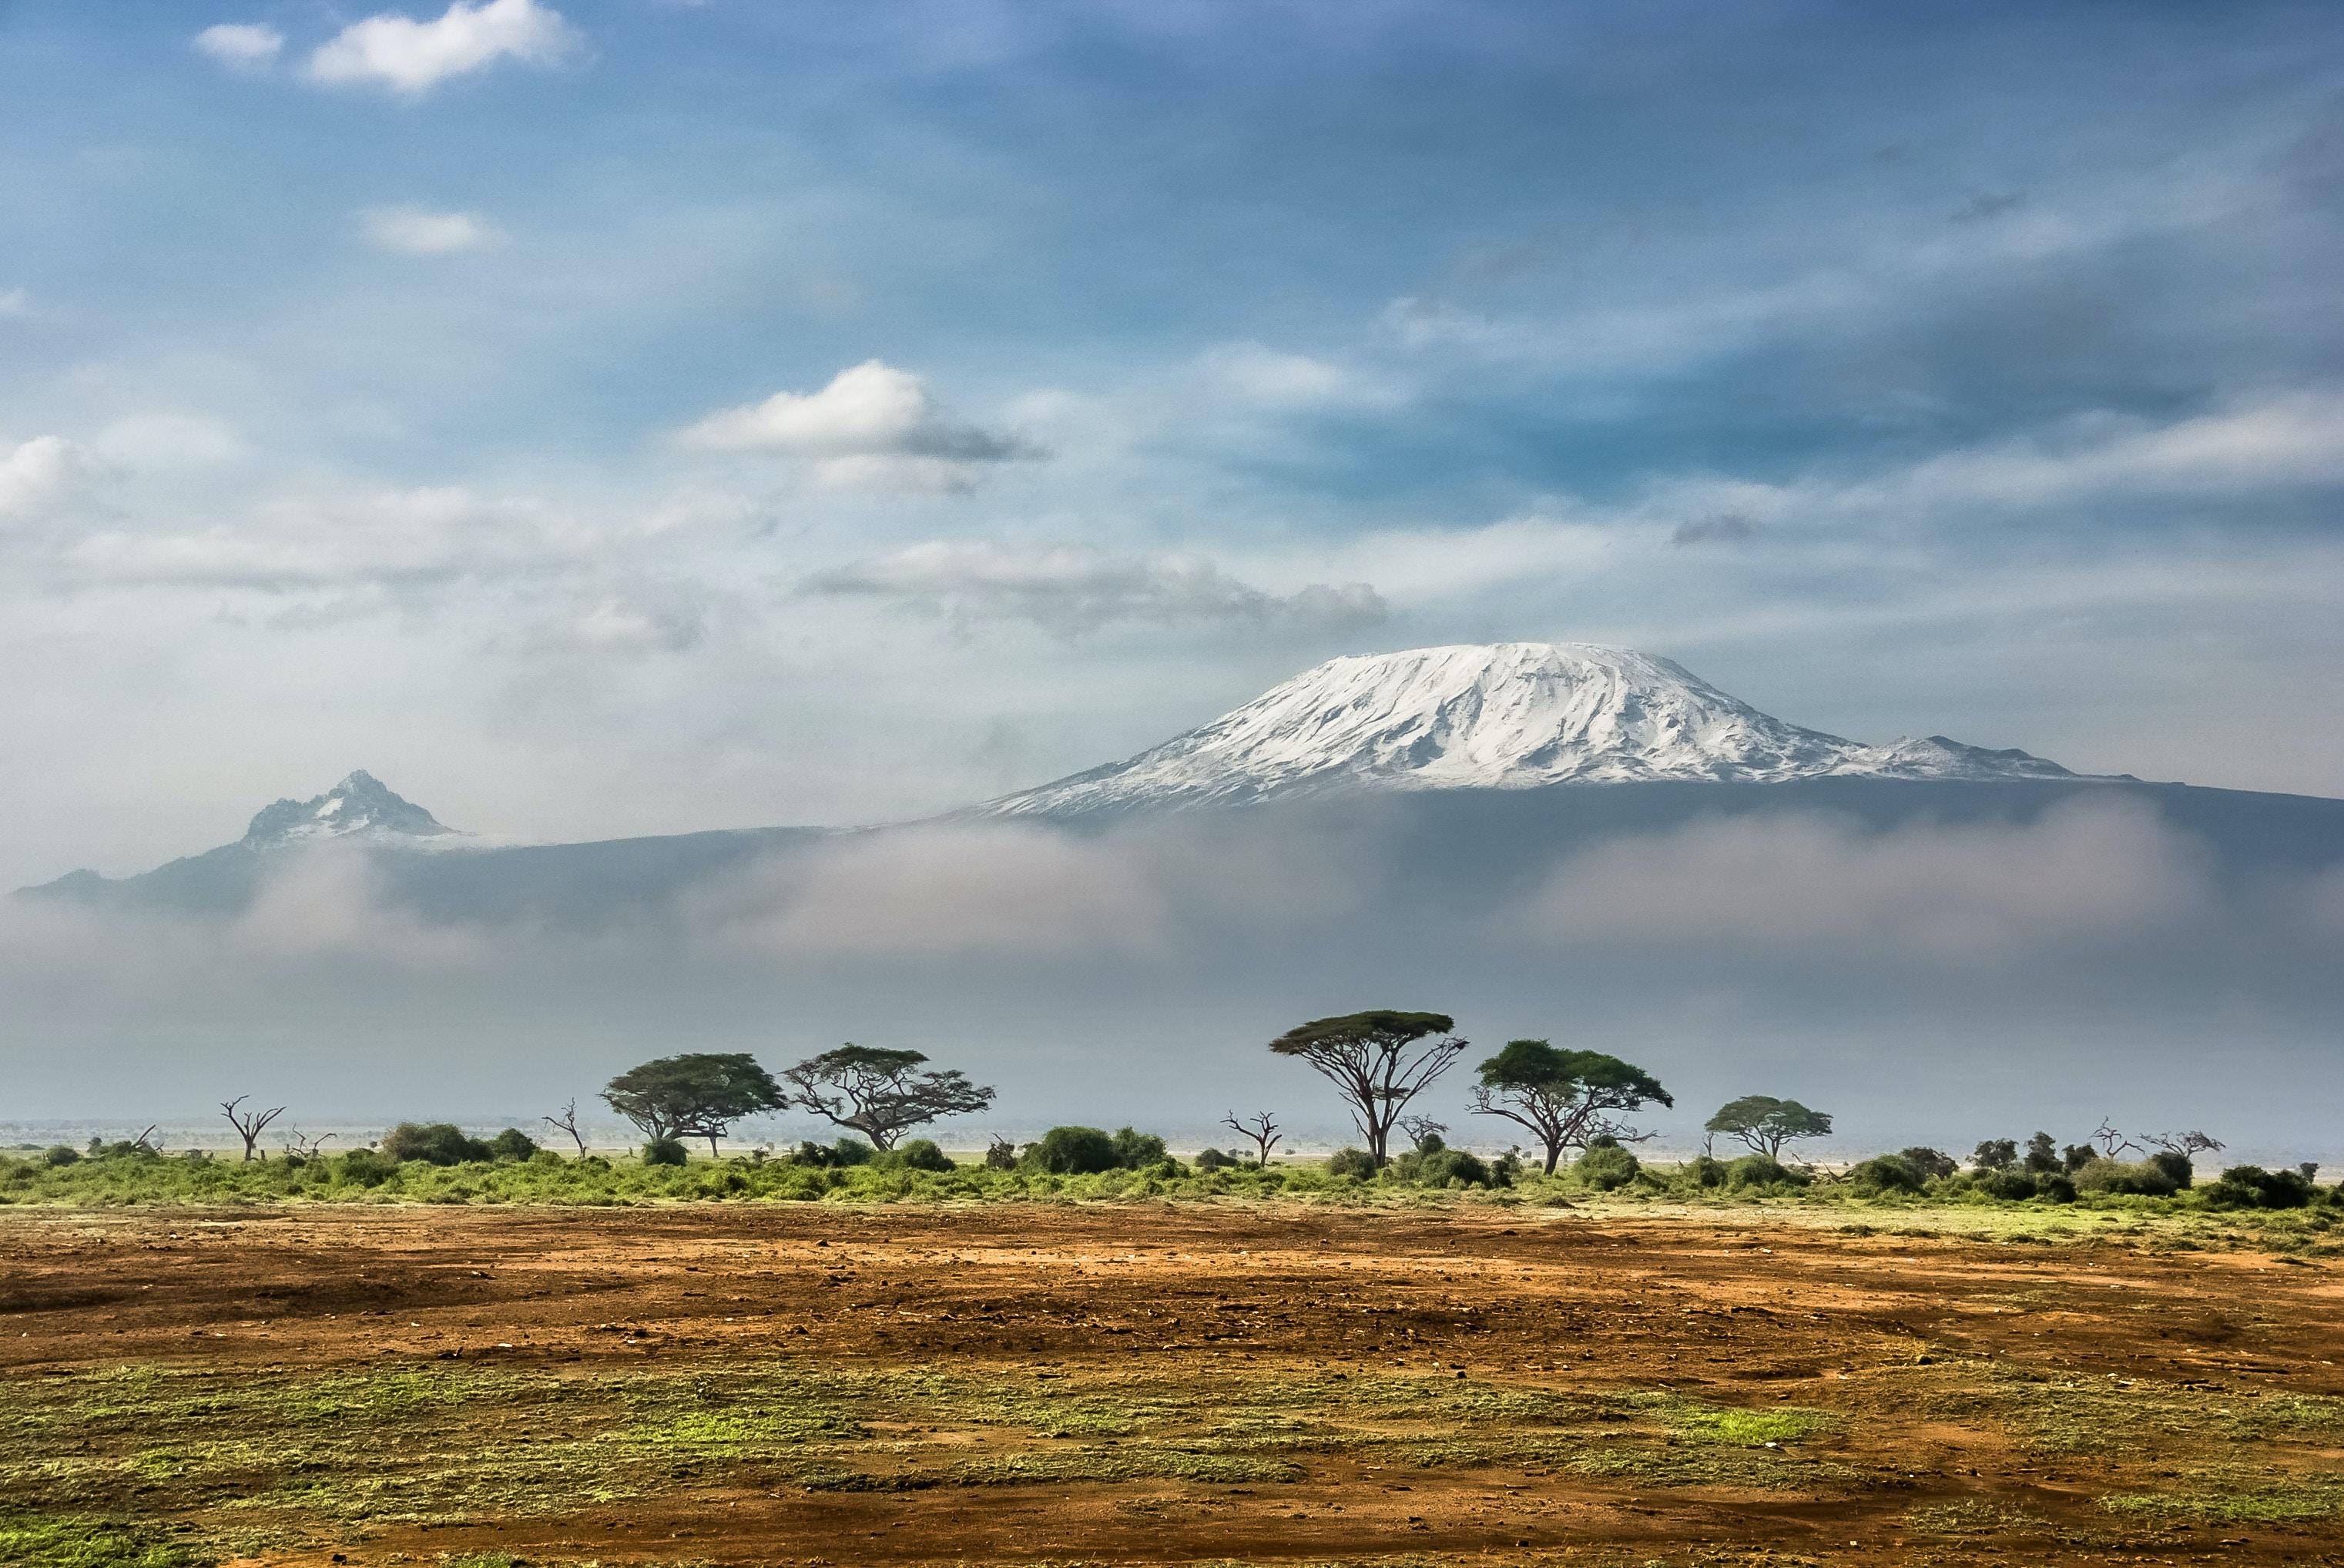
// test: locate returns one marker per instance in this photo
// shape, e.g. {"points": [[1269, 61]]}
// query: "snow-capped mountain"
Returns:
{"points": [[1508, 716], [359, 805]]}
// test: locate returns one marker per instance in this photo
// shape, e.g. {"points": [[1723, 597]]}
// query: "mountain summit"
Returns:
{"points": [[361, 804], [1508, 716]]}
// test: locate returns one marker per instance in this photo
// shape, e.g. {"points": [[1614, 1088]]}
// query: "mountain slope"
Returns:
{"points": [[1508, 715]]}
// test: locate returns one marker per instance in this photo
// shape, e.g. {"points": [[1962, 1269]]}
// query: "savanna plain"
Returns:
{"points": [[1332, 1378]]}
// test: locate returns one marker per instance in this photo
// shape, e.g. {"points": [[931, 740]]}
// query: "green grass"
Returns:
{"points": [[2238, 1497], [276, 1459], [548, 1179], [79, 1543]]}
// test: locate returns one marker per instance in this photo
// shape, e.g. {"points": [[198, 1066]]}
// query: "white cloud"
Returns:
{"points": [[241, 45], [16, 302], [405, 56], [1070, 589], [36, 473], [419, 231], [1256, 374], [872, 425]]}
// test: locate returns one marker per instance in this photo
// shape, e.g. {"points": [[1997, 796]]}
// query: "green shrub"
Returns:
{"points": [[2056, 1187], [61, 1155], [1764, 1170], [1214, 1159], [1137, 1150], [433, 1143], [1606, 1167], [364, 1168], [2176, 1164], [666, 1151], [848, 1152], [1356, 1164], [2146, 1179], [919, 1154], [513, 1143], [1001, 1155], [1072, 1152], [1933, 1164], [2010, 1185], [1706, 1172], [2252, 1186], [1886, 1173]]}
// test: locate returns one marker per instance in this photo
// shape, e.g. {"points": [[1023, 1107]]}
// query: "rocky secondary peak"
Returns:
{"points": [[361, 804]]}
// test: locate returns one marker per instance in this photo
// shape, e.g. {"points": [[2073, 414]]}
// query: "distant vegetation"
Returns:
{"points": [[1571, 1103]]}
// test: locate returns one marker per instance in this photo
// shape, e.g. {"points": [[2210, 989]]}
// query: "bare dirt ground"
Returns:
{"points": [[1021, 1383]]}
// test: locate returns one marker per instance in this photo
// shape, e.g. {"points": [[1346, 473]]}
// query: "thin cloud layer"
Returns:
{"points": [[410, 57], [1070, 589]]}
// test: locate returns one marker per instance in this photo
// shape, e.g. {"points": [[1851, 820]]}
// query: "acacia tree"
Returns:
{"points": [[1565, 1098], [1767, 1125], [249, 1125], [879, 1092], [699, 1094], [1378, 1061]]}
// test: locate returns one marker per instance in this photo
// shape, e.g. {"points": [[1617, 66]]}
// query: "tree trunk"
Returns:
{"points": [[1554, 1155]]}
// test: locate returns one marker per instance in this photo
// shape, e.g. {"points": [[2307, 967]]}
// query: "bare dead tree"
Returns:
{"points": [[2185, 1145], [1261, 1129], [249, 1125], [568, 1122], [2111, 1142], [1420, 1128], [146, 1140], [306, 1147]]}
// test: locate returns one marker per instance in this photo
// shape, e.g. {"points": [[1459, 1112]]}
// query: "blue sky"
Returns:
{"points": [[641, 416]]}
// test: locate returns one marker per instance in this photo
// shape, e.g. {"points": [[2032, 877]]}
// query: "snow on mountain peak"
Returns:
{"points": [[360, 805], [1510, 715]]}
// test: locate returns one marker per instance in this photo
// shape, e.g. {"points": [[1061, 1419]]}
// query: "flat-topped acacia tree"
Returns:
{"points": [[1565, 1098], [1378, 1061], [1766, 1125], [699, 1094], [879, 1092]]}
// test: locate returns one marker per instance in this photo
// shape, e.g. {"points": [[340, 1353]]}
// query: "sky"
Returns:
{"points": [[616, 417], [601, 417]]}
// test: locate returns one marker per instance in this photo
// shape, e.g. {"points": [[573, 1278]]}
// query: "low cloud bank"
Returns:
{"points": [[2090, 959]]}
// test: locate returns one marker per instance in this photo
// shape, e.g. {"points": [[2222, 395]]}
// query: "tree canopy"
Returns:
{"points": [[1565, 1099], [699, 1094], [880, 1092], [1378, 1061], [1766, 1124]]}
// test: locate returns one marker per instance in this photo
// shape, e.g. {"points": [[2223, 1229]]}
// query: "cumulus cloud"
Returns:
{"points": [[36, 473], [873, 424], [1820, 887], [410, 57], [241, 45], [1070, 589], [419, 231]]}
